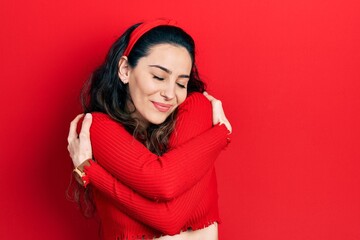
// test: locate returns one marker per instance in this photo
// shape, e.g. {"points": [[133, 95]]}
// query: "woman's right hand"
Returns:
{"points": [[218, 112], [79, 145]]}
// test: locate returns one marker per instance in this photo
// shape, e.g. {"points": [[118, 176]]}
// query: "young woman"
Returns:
{"points": [[154, 139]]}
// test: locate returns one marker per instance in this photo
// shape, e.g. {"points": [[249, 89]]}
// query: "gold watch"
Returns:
{"points": [[79, 172]]}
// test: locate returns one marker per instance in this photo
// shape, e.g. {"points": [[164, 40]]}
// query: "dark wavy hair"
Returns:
{"points": [[105, 92]]}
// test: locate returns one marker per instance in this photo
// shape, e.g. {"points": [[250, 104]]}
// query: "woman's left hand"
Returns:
{"points": [[218, 112], [79, 145]]}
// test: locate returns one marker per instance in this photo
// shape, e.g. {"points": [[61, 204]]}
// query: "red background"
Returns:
{"points": [[287, 71]]}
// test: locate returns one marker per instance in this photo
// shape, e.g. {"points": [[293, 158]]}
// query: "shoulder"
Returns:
{"points": [[196, 100], [103, 120], [196, 108], [99, 116], [104, 128]]}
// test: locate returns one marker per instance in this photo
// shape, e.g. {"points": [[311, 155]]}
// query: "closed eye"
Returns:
{"points": [[158, 78], [181, 85]]}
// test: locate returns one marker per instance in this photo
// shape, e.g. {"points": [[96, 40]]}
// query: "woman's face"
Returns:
{"points": [[157, 85]]}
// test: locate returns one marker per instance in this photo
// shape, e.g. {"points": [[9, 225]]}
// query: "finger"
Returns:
{"points": [[72, 131], [228, 124], [217, 103], [84, 136], [209, 97], [230, 129], [85, 128]]}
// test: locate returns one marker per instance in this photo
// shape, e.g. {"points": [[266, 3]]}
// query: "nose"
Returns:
{"points": [[168, 92]]}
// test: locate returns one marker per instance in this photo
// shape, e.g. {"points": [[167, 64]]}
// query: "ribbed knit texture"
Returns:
{"points": [[139, 194]]}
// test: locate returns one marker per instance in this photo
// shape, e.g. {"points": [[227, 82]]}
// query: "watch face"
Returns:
{"points": [[78, 177]]}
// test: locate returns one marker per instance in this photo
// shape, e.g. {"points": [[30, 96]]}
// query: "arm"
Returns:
{"points": [[167, 176], [156, 214], [167, 217]]}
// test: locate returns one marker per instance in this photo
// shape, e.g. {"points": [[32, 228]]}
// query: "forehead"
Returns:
{"points": [[174, 57]]}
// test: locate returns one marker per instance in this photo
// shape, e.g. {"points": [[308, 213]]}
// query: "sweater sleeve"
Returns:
{"points": [[167, 217], [167, 176]]}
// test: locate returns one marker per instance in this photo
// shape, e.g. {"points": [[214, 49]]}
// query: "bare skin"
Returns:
{"points": [[79, 147], [208, 233]]}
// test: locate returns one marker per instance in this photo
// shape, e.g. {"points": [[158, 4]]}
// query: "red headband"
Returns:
{"points": [[143, 28]]}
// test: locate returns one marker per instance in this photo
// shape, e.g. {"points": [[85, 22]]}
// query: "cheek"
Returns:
{"points": [[141, 88], [182, 96]]}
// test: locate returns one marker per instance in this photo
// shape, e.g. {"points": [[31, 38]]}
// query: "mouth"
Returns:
{"points": [[162, 107]]}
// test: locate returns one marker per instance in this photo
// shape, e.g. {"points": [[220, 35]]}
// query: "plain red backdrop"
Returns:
{"points": [[287, 72]]}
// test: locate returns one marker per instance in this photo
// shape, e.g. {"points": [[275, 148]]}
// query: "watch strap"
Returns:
{"points": [[80, 175]]}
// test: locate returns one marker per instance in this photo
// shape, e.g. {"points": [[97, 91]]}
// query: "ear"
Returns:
{"points": [[124, 69]]}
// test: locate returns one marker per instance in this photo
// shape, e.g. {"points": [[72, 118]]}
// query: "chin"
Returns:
{"points": [[157, 120]]}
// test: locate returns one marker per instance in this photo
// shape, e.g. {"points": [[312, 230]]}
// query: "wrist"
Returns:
{"points": [[79, 173], [83, 164]]}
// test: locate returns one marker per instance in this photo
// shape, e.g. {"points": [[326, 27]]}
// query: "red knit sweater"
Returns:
{"points": [[139, 194]]}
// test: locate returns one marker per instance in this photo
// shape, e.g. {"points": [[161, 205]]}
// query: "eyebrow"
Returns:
{"points": [[168, 71]]}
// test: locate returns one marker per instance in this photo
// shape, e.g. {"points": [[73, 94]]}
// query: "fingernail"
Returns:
{"points": [[88, 115]]}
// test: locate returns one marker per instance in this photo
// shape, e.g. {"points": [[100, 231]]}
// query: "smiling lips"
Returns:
{"points": [[162, 107]]}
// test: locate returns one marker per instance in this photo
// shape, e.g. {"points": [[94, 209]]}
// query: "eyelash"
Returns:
{"points": [[180, 85], [160, 79]]}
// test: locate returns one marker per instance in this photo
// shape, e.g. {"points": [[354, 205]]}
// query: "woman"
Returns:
{"points": [[153, 140]]}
